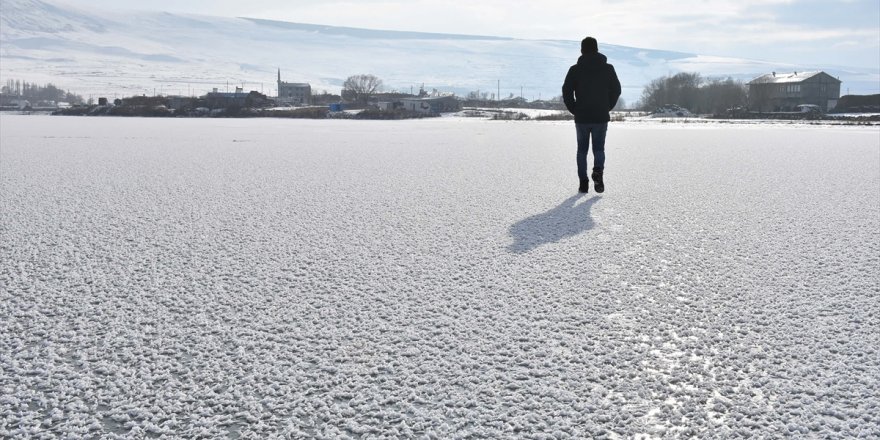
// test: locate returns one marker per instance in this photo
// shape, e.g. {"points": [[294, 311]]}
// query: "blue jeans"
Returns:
{"points": [[584, 131]]}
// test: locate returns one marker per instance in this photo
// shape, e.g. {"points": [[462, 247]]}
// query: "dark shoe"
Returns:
{"points": [[597, 181], [585, 186]]}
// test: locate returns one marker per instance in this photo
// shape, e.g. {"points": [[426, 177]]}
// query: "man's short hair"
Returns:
{"points": [[589, 45]]}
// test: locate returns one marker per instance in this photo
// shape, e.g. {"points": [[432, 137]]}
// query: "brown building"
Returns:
{"points": [[784, 92]]}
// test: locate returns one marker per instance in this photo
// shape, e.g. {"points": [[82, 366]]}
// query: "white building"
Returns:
{"points": [[293, 93]]}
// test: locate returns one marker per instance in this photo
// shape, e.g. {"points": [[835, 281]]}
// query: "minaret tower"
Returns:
{"points": [[279, 83]]}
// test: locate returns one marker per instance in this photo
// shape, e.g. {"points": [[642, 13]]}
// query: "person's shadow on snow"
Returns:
{"points": [[568, 219]]}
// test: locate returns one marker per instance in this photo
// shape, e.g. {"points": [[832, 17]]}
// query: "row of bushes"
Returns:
{"points": [[96, 110], [237, 112], [323, 113]]}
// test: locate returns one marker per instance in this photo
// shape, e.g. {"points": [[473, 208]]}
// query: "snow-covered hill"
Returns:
{"points": [[101, 52]]}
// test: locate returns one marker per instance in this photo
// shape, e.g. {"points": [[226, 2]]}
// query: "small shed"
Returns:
{"points": [[432, 105]]}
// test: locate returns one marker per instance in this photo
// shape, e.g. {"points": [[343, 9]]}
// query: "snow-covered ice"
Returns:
{"points": [[436, 278]]}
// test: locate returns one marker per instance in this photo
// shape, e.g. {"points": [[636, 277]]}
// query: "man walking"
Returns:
{"points": [[590, 91]]}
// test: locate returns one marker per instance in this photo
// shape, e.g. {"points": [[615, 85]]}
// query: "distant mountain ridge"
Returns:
{"points": [[126, 53], [367, 33]]}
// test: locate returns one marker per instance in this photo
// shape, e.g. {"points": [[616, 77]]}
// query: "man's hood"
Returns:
{"points": [[593, 61]]}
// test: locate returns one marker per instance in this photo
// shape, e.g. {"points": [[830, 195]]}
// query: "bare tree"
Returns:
{"points": [[718, 96], [359, 88], [681, 89], [691, 91], [654, 95]]}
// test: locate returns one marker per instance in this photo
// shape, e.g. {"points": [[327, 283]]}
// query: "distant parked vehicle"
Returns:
{"points": [[809, 108], [671, 111]]}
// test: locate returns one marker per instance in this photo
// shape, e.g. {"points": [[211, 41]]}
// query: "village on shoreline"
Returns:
{"points": [[808, 96]]}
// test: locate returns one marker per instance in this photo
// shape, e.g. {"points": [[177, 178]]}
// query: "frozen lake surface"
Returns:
{"points": [[436, 279]]}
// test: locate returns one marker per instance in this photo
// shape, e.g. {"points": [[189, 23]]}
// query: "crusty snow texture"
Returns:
{"points": [[436, 279]]}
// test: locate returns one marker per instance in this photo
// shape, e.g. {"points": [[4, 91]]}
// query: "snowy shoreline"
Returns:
{"points": [[622, 118]]}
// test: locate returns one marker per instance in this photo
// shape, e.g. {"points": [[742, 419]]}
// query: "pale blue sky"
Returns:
{"points": [[829, 32]]}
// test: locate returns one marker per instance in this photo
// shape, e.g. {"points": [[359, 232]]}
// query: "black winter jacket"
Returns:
{"points": [[591, 89]]}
